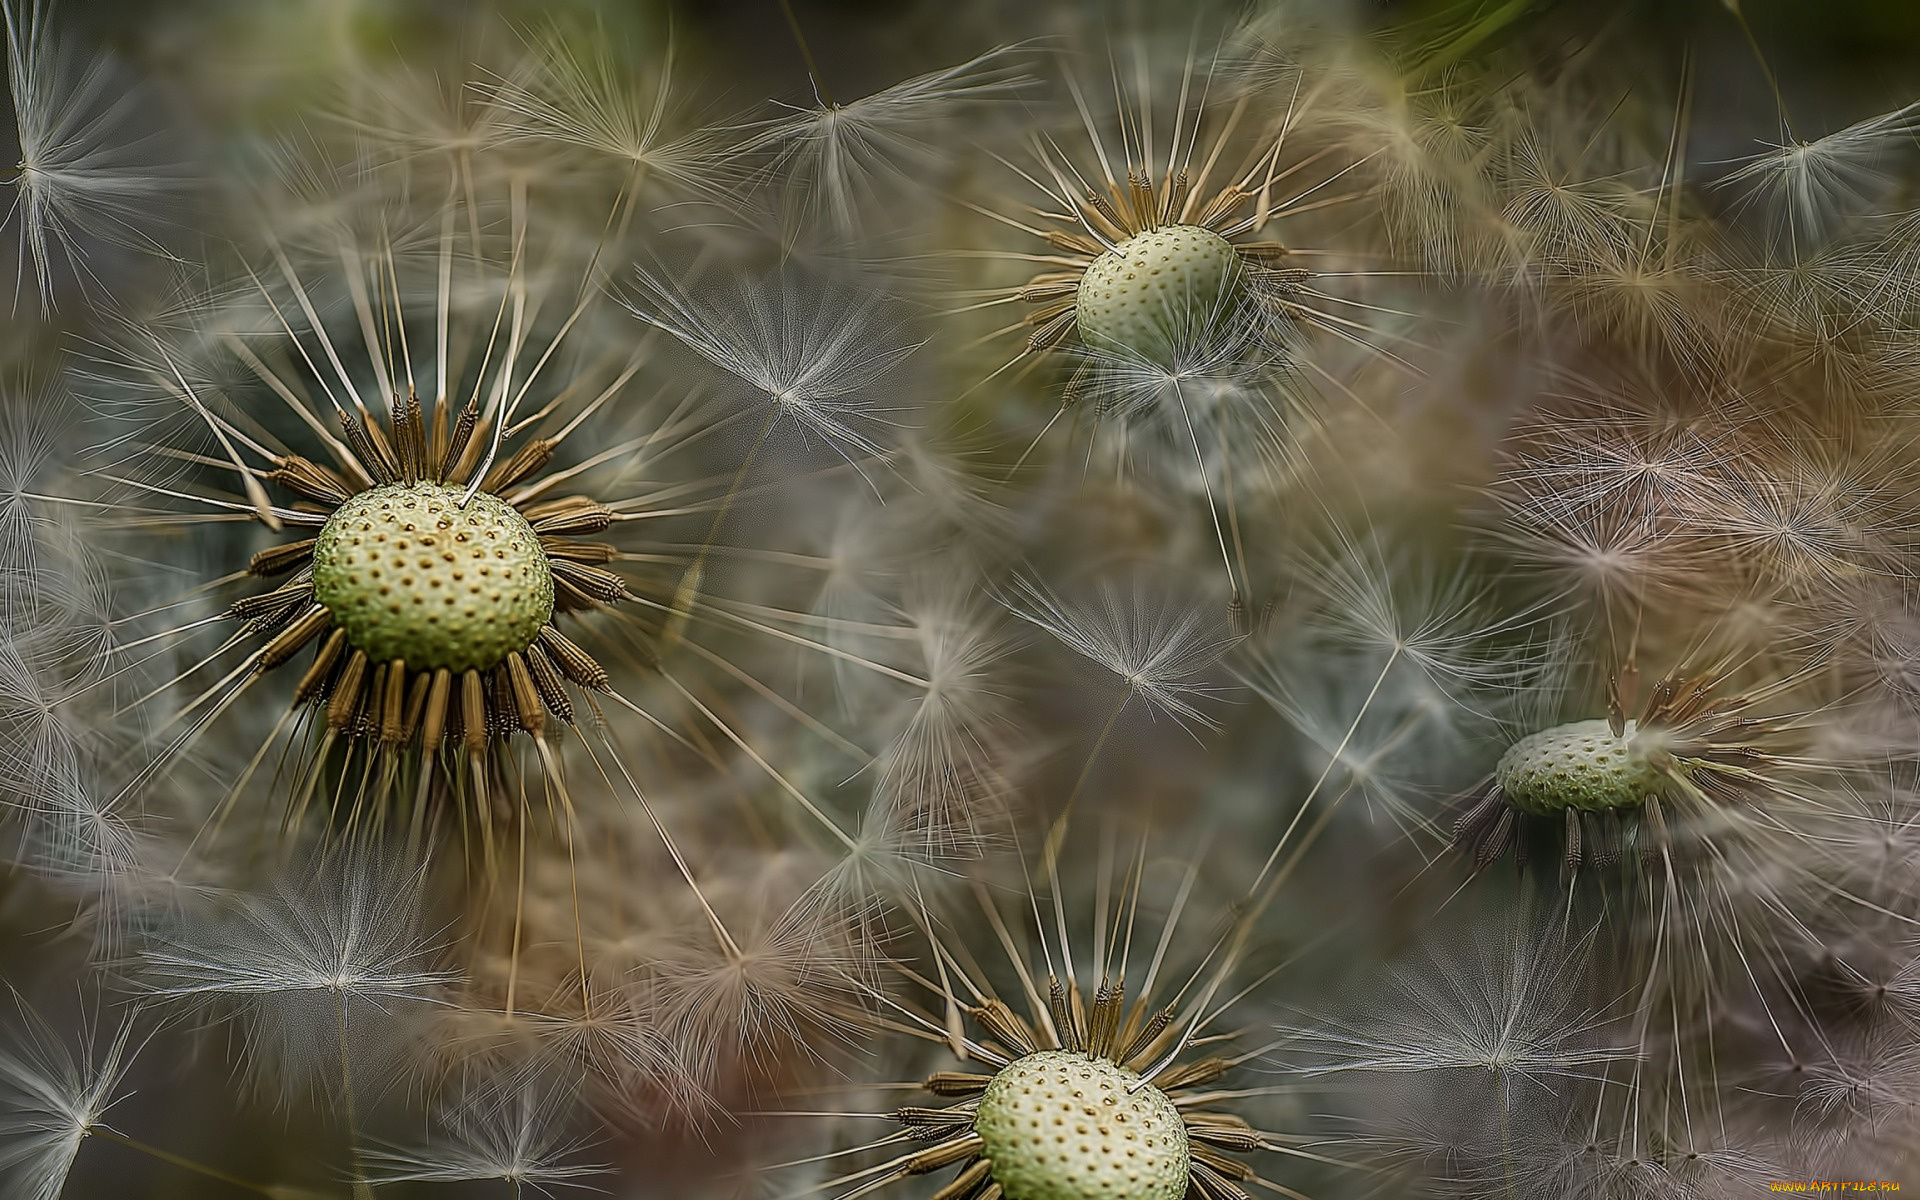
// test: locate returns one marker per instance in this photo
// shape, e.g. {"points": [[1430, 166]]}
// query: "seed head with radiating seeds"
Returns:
{"points": [[1170, 250], [429, 600], [1118, 1090], [1610, 782]]}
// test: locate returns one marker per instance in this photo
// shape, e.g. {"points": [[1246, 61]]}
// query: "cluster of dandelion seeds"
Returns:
{"points": [[966, 601]]}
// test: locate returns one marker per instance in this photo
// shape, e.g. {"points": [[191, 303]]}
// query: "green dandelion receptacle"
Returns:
{"points": [[1582, 765], [413, 574], [1066, 1125], [1614, 784], [1156, 288]]}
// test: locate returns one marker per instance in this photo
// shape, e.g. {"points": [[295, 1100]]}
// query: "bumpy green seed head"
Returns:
{"points": [[1060, 1125], [1581, 765], [409, 573], [1155, 288]]}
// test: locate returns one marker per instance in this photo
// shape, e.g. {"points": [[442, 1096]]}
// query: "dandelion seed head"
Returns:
{"points": [[1582, 765], [1678, 772], [1131, 296], [411, 573], [1209, 402], [1163, 226], [439, 350], [1080, 1068], [1057, 1124]]}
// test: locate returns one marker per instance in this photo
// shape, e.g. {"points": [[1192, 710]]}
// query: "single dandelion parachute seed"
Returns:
{"points": [[336, 958], [1508, 1007], [808, 349], [1160, 648], [1809, 188], [51, 1101], [836, 157], [516, 1134], [55, 1096], [617, 103], [89, 175]]}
